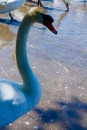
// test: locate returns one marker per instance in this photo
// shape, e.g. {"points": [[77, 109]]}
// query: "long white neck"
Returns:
{"points": [[21, 55]]}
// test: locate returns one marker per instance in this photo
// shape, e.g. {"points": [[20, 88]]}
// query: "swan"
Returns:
{"points": [[65, 2], [16, 99], [6, 6]]}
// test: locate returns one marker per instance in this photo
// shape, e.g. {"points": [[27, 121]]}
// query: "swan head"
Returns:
{"points": [[40, 15]]}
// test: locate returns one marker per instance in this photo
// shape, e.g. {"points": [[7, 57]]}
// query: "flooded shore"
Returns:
{"points": [[59, 61]]}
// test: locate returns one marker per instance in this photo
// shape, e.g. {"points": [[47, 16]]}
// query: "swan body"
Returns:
{"points": [[10, 5], [6, 6], [16, 99]]}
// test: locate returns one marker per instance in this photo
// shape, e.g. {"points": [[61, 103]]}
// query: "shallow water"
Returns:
{"points": [[59, 61]]}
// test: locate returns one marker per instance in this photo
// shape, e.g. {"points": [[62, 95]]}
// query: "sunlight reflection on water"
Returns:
{"points": [[60, 61]]}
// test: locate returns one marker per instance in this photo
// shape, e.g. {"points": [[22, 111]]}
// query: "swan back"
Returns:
{"points": [[10, 5]]}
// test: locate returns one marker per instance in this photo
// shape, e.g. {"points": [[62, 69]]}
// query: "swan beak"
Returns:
{"points": [[50, 27]]}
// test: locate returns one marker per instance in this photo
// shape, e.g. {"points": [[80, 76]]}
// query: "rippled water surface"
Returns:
{"points": [[59, 61]]}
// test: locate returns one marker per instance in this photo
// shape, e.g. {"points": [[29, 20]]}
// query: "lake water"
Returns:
{"points": [[59, 61]]}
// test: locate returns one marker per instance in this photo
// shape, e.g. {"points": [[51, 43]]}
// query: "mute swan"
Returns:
{"points": [[6, 6], [65, 2], [16, 99]]}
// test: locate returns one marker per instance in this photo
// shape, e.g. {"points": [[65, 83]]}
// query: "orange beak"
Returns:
{"points": [[50, 26]]}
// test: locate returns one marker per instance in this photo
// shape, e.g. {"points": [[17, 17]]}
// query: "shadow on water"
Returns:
{"points": [[32, 1], [74, 113], [42, 28], [48, 0], [16, 23], [67, 115], [8, 21], [85, 1], [5, 128], [55, 9]]}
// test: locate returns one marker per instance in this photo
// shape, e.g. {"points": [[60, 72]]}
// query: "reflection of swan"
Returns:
{"points": [[65, 2], [6, 6], [16, 99], [62, 16]]}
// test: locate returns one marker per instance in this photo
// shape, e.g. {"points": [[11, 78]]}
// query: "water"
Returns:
{"points": [[59, 61]]}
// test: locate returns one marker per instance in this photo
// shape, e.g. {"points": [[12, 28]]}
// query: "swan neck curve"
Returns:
{"points": [[21, 55]]}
